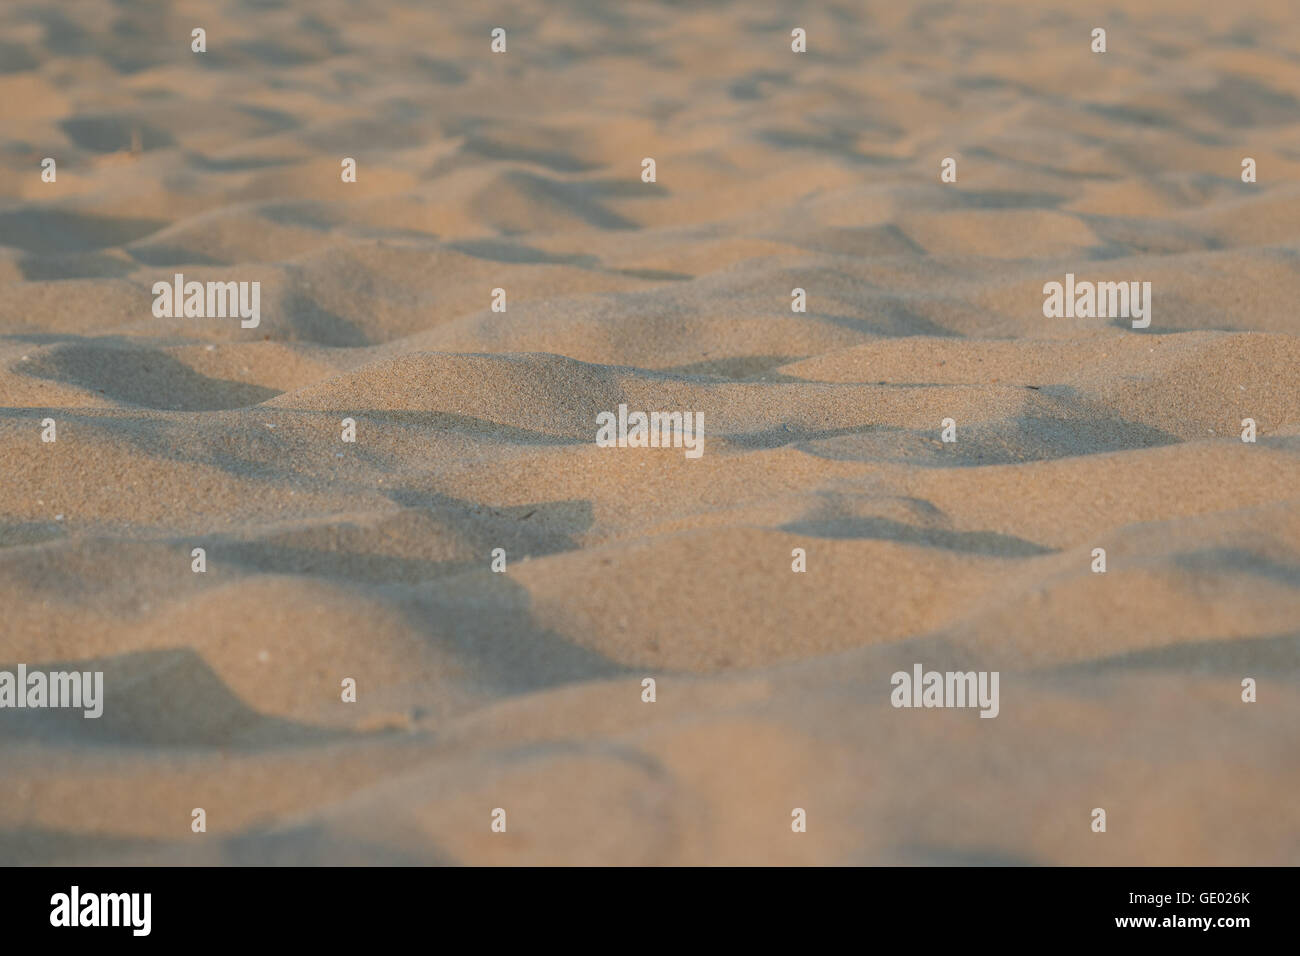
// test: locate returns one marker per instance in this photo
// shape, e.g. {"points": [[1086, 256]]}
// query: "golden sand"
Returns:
{"points": [[522, 690]]}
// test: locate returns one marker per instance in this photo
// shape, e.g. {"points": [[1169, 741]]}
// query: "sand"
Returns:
{"points": [[522, 690]]}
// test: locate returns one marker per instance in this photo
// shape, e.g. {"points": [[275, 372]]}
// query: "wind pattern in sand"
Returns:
{"points": [[775, 171]]}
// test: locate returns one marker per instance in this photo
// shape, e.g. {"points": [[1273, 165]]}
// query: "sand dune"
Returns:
{"points": [[475, 431]]}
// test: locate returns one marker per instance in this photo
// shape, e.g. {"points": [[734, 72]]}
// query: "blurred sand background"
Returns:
{"points": [[475, 431]]}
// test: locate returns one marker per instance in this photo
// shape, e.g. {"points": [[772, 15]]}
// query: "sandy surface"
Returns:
{"points": [[475, 431]]}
